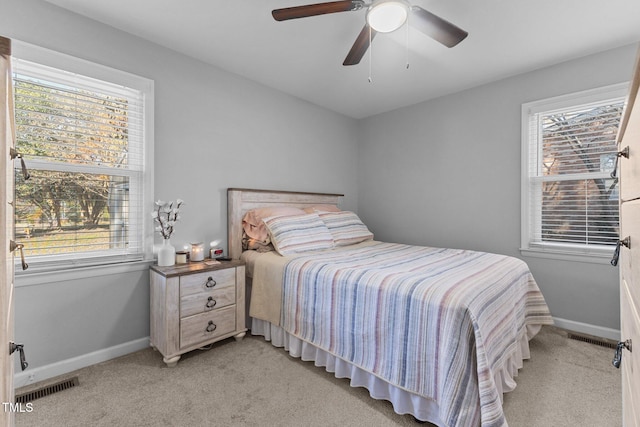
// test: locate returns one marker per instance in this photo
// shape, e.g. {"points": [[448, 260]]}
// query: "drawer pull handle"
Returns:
{"points": [[626, 242], [617, 358], [624, 153], [211, 326], [210, 282], [20, 348], [16, 155], [18, 246], [211, 302]]}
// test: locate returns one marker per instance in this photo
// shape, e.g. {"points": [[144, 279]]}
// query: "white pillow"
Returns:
{"points": [[298, 233], [346, 227]]}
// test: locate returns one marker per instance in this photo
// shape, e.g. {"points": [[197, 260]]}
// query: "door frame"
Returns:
{"points": [[7, 393]]}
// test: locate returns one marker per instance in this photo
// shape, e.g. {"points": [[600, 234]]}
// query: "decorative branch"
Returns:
{"points": [[166, 215]]}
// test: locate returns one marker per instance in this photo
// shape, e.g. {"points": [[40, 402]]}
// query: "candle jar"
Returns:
{"points": [[181, 257], [197, 251]]}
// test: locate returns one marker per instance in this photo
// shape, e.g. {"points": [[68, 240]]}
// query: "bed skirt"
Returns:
{"points": [[403, 401]]}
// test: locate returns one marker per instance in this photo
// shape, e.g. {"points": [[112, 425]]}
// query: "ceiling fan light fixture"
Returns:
{"points": [[386, 16]]}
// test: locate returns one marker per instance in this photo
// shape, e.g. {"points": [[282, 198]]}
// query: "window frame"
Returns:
{"points": [[559, 251], [49, 58]]}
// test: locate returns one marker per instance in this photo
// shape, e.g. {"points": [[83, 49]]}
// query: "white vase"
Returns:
{"points": [[166, 254]]}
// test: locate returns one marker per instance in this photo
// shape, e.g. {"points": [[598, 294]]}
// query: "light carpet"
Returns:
{"points": [[252, 383]]}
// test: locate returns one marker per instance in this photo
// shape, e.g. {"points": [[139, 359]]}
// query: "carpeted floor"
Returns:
{"points": [[252, 383]]}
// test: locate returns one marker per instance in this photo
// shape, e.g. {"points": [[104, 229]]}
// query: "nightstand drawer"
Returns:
{"points": [[207, 301], [207, 281], [207, 326]]}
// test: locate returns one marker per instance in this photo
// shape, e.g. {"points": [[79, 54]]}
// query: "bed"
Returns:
{"points": [[439, 332]]}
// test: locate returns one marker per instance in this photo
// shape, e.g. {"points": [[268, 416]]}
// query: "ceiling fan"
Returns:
{"points": [[382, 16]]}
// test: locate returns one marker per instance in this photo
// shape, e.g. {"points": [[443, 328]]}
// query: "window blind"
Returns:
{"points": [[83, 141], [572, 199]]}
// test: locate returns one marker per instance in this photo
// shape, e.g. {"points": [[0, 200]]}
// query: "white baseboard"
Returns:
{"points": [[62, 367], [585, 328]]}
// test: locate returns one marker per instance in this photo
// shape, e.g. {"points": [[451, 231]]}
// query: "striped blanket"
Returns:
{"points": [[442, 323]]}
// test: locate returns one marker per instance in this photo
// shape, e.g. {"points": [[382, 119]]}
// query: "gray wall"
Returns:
{"points": [[213, 130], [66, 317], [447, 173]]}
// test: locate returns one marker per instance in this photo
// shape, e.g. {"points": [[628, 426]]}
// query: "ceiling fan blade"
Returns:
{"points": [[360, 46], [316, 9], [437, 28]]}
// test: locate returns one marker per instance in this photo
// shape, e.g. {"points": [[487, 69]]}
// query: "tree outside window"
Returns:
{"points": [[82, 141], [570, 199]]}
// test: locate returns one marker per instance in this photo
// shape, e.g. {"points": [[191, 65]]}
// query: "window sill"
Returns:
{"points": [[559, 255], [51, 276]]}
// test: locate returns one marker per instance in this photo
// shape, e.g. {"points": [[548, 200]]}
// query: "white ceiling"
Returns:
{"points": [[303, 57]]}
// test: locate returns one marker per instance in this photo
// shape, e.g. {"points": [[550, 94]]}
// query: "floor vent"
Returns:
{"points": [[602, 342], [47, 390]]}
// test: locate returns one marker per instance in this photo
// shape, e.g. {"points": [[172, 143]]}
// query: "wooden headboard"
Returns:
{"points": [[241, 200]]}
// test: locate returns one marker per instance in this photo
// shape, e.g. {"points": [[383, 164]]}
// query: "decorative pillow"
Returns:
{"points": [[299, 233], [322, 208], [346, 228], [254, 228]]}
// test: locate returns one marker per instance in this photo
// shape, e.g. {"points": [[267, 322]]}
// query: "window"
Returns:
{"points": [[86, 142], [569, 198]]}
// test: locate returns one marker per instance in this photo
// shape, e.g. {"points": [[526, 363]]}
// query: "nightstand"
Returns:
{"points": [[196, 304]]}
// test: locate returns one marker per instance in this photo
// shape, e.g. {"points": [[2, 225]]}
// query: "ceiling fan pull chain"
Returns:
{"points": [[370, 53], [407, 41]]}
